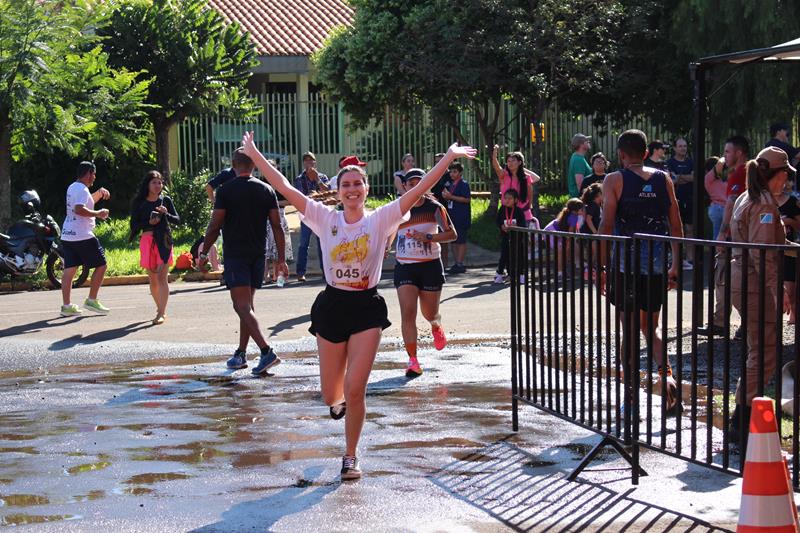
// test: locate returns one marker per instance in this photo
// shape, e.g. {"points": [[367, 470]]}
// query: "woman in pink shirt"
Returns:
{"points": [[511, 176], [716, 189]]}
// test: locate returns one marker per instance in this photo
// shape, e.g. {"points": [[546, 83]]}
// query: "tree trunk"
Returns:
{"points": [[161, 127], [488, 130], [5, 169]]}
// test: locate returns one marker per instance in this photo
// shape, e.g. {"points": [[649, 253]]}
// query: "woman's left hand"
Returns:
{"points": [[418, 236], [456, 151], [161, 209]]}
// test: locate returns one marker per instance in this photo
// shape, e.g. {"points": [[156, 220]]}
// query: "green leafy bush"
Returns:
{"points": [[191, 202]]}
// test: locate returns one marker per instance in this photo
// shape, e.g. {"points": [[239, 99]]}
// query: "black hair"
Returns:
{"points": [[456, 165], [778, 126], [85, 167], [512, 193], [141, 196], [711, 162], [239, 159], [573, 206], [740, 143], [632, 143]]}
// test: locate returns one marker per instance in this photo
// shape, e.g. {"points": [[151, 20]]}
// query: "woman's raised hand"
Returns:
{"points": [[249, 144], [457, 151]]}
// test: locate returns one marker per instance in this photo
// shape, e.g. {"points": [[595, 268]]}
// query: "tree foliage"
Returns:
{"points": [[474, 55], [57, 91], [197, 62]]}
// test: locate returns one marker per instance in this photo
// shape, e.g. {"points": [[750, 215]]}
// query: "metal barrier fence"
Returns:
{"points": [[577, 328]]}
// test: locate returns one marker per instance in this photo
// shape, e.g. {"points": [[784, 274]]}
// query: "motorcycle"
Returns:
{"points": [[34, 240]]}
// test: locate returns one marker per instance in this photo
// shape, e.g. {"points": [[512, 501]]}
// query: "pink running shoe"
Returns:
{"points": [[439, 340], [413, 370]]}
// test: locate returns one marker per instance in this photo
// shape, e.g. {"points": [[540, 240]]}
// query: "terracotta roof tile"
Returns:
{"points": [[286, 27]]}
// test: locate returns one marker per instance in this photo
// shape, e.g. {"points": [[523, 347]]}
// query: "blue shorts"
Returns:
{"points": [[88, 253], [244, 271], [462, 230]]}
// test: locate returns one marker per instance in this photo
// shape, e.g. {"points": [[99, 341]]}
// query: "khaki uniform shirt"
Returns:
{"points": [[757, 223]]}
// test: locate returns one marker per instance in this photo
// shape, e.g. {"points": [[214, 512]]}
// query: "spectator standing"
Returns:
{"points": [[309, 181], [657, 157], [81, 247], [716, 186], [508, 216], [641, 199], [789, 208], [218, 181], [437, 191], [681, 168], [756, 219], [599, 167], [243, 207], [152, 212], [578, 167], [457, 196], [515, 176], [407, 163], [271, 253], [780, 139], [592, 202], [345, 161]]}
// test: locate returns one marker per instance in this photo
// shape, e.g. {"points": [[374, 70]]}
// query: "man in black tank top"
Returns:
{"points": [[638, 199]]}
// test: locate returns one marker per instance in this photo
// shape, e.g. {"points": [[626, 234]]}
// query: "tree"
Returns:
{"points": [[57, 90], [197, 61], [475, 55]]}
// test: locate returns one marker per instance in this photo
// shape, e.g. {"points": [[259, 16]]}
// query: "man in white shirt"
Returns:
{"points": [[79, 244]]}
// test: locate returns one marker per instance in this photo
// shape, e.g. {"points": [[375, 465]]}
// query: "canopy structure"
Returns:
{"points": [[789, 51]]}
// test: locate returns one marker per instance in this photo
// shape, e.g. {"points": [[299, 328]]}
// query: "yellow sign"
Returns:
{"points": [[534, 138]]}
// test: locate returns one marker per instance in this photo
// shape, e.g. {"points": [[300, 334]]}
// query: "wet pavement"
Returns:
{"points": [[183, 444]]}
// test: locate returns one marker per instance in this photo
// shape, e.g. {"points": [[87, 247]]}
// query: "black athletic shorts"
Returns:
{"points": [[650, 290], [426, 275], [88, 253], [337, 314], [244, 271], [687, 212]]}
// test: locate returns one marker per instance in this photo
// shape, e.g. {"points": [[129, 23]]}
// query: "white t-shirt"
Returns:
{"points": [[78, 228], [353, 253], [333, 183]]}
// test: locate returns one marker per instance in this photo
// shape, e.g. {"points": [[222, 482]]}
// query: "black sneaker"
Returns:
{"points": [[350, 468], [239, 360], [267, 360], [718, 331], [338, 410]]}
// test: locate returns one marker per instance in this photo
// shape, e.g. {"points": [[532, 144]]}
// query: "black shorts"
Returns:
{"points": [[337, 314], [244, 271], [650, 290], [426, 275], [88, 253], [461, 231]]}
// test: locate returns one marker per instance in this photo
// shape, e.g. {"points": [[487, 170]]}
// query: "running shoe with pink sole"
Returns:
{"points": [[439, 340], [413, 370]]}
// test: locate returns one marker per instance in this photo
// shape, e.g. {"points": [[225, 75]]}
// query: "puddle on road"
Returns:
{"points": [[22, 500], [149, 479], [88, 467], [28, 519]]}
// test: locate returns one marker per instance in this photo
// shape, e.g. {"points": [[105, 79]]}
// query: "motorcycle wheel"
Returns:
{"points": [[55, 268]]}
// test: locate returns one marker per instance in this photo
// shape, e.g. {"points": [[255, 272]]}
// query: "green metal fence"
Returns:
{"points": [[287, 127]]}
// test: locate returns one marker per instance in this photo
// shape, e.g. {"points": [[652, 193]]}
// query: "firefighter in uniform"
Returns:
{"points": [[756, 220]]}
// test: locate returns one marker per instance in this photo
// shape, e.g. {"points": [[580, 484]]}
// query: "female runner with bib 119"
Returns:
{"points": [[349, 315]]}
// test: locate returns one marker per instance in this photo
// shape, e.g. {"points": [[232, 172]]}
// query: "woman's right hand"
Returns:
{"points": [[455, 151], [249, 144]]}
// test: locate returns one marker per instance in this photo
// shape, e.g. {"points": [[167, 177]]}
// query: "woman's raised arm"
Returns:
{"points": [[411, 196], [273, 175]]}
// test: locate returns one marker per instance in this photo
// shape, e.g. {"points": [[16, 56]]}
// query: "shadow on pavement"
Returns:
{"points": [[288, 324], [41, 324], [262, 514], [531, 493], [100, 336], [478, 289]]}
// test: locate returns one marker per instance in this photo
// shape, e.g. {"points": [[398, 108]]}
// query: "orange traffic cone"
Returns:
{"points": [[767, 501]]}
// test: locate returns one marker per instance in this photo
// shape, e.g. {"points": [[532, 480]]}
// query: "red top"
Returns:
{"points": [[737, 182]]}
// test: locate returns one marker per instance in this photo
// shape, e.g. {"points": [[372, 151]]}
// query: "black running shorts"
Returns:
{"points": [[426, 276], [338, 314]]}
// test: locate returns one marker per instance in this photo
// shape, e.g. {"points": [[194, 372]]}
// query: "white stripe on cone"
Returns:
{"points": [[765, 511], [763, 448]]}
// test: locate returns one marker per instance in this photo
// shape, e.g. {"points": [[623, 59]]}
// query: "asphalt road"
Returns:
{"points": [[108, 423]]}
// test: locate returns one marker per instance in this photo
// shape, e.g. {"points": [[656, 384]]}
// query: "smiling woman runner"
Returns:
{"points": [[349, 315], [419, 274]]}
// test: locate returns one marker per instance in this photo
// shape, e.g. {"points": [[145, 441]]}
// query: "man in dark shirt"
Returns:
{"points": [[780, 139], [243, 207], [309, 181], [218, 181], [658, 155], [681, 169]]}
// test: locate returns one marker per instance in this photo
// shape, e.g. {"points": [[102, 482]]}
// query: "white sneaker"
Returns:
{"points": [[687, 265], [498, 279]]}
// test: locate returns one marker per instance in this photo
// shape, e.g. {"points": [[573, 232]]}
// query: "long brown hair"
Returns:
{"points": [[573, 206], [758, 176]]}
